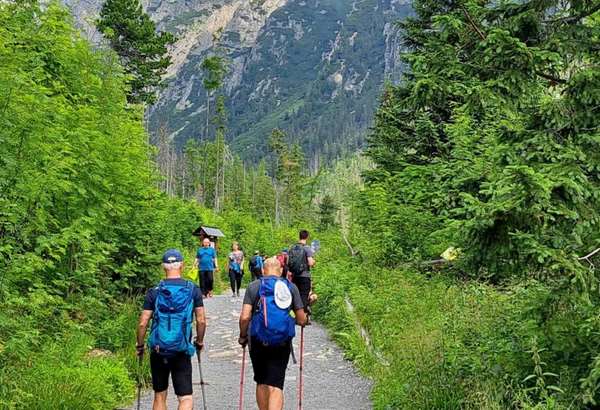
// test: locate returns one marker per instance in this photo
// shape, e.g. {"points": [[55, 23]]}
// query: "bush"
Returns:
{"points": [[64, 376]]}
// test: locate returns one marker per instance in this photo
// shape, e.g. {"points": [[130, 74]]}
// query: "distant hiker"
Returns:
{"points": [[266, 310], [206, 262], [235, 262], [283, 261], [256, 265], [171, 306], [300, 261]]}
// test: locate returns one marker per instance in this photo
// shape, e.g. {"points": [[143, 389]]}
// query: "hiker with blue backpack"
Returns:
{"points": [[256, 265], [235, 263], [267, 326], [172, 306]]}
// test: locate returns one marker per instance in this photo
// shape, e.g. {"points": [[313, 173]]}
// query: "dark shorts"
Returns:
{"points": [[269, 363], [304, 286], [180, 369]]}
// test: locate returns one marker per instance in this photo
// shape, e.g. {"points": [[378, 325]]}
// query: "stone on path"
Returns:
{"points": [[330, 381]]}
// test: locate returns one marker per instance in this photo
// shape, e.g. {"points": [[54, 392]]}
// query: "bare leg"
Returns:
{"points": [[275, 398], [160, 400], [262, 396], [185, 403]]}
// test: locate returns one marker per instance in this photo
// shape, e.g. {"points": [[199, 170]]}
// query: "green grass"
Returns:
{"points": [[436, 343]]}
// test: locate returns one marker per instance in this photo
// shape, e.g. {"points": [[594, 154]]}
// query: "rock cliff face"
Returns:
{"points": [[314, 68]]}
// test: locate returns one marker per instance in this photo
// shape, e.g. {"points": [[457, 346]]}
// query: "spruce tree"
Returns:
{"points": [[142, 50]]}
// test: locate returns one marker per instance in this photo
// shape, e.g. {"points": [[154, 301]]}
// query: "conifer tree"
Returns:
{"points": [[142, 50], [495, 132]]}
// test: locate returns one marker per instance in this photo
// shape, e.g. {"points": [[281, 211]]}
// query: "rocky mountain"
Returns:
{"points": [[314, 68]]}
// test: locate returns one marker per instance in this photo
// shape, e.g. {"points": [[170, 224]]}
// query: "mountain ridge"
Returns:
{"points": [[314, 68]]}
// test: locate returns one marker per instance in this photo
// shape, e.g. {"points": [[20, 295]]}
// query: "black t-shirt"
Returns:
{"points": [[251, 297], [150, 299]]}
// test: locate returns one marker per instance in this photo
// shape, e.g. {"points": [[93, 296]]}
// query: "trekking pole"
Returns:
{"points": [[241, 406], [301, 379], [201, 380], [139, 382]]}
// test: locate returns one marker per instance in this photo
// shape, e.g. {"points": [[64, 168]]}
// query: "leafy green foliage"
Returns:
{"points": [[492, 132], [82, 224], [142, 51]]}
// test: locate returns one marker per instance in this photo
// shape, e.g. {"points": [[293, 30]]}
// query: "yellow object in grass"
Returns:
{"points": [[451, 253]]}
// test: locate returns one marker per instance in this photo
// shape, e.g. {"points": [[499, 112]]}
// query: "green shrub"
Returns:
{"points": [[65, 376]]}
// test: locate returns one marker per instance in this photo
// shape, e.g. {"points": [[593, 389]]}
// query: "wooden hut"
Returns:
{"points": [[209, 232]]}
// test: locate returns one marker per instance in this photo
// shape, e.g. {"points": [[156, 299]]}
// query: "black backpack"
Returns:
{"points": [[297, 259], [252, 264]]}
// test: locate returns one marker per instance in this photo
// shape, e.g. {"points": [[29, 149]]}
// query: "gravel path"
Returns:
{"points": [[330, 381]]}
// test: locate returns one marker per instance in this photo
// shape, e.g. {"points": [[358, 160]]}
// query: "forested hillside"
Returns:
{"points": [[312, 68], [453, 268]]}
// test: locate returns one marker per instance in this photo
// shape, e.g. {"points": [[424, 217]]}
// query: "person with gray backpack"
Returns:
{"points": [[172, 306], [300, 261]]}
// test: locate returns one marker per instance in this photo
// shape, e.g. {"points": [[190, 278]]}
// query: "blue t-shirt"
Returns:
{"points": [[205, 257]]}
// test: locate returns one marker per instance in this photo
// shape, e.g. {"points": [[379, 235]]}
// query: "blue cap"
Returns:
{"points": [[171, 256]]}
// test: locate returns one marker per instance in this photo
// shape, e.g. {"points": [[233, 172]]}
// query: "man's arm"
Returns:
{"points": [[142, 327], [311, 261], [200, 325], [245, 318], [300, 317]]}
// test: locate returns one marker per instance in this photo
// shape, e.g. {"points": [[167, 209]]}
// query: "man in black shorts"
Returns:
{"points": [[178, 364], [268, 361]]}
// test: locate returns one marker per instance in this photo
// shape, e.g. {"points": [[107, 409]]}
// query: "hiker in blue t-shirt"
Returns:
{"points": [[172, 347], [206, 262]]}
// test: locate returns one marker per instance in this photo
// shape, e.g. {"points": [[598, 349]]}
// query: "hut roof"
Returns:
{"points": [[210, 231]]}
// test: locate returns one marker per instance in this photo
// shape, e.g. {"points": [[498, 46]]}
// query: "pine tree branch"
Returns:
{"points": [[472, 23]]}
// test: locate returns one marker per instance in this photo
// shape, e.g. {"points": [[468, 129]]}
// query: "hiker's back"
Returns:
{"points": [[256, 265], [172, 318], [297, 260], [271, 322]]}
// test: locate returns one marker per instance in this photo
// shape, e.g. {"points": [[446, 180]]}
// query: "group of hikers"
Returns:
{"points": [[276, 300]]}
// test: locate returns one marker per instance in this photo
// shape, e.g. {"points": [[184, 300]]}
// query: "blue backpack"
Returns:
{"points": [[234, 266], [172, 320], [271, 324]]}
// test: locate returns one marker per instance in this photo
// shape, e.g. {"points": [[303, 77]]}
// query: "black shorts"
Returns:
{"points": [[269, 363], [180, 369], [304, 286]]}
